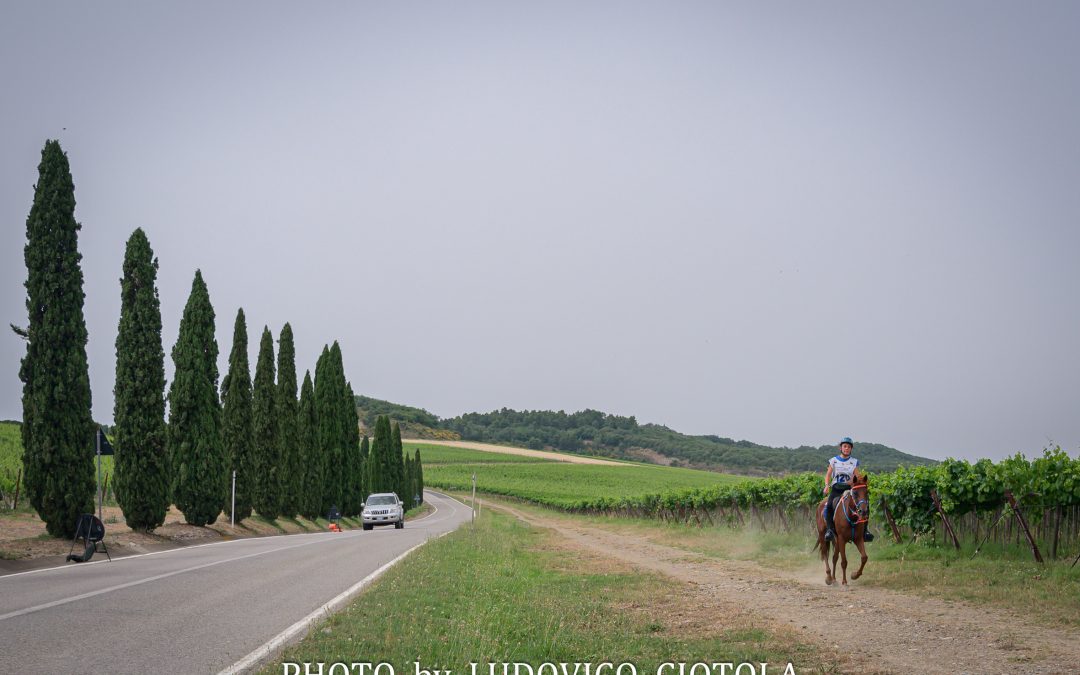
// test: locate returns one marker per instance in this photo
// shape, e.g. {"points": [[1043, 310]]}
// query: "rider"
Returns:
{"points": [[841, 472]]}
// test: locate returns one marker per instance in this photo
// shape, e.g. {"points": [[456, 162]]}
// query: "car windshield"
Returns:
{"points": [[382, 500]]}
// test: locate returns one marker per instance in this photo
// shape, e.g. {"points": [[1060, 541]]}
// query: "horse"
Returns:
{"points": [[850, 514]]}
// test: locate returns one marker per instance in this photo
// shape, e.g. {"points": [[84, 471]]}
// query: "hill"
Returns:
{"points": [[597, 433], [415, 422], [593, 432]]}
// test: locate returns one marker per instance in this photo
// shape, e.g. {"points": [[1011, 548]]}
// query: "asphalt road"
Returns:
{"points": [[191, 610]]}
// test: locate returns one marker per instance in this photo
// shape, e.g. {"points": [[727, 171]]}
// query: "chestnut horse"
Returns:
{"points": [[849, 522]]}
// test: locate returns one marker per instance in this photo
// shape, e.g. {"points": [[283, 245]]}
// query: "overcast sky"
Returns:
{"points": [[785, 222]]}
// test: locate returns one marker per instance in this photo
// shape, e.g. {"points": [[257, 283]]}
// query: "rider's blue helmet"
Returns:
{"points": [[847, 439]]}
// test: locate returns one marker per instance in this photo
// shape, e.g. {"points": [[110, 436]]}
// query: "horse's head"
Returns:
{"points": [[859, 495]]}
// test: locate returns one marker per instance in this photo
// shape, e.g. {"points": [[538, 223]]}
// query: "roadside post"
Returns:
{"points": [[97, 443], [232, 511], [474, 499]]}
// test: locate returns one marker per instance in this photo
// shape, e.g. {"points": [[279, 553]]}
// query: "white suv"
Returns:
{"points": [[383, 508]]}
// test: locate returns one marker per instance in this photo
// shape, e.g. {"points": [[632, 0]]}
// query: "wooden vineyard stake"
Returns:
{"points": [[892, 523], [944, 519], [1024, 525], [17, 482], [1057, 532]]}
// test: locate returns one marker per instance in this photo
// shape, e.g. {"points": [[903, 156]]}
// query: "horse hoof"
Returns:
{"points": [[829, 581], [855, 576]]}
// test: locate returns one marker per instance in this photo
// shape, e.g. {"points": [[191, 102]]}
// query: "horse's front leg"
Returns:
{"points": [[842, 545], [862, 551], [829, 579], [835, 556]]}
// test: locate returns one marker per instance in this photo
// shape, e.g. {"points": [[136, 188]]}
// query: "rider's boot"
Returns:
{"points": [[867, 536], [830, 535]]}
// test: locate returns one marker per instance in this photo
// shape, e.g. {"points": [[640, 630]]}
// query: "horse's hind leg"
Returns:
{"points": [[862, 551], [835, 557]]}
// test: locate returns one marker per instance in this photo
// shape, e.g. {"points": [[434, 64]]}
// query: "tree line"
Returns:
{"points": [[295, 449], [597, 433]]}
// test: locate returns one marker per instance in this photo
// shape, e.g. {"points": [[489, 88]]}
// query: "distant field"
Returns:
{"points": [[558, 484], [441, 454]]}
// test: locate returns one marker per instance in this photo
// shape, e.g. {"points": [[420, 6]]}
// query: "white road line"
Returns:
{"points": [[267, 650], [57, 603]]}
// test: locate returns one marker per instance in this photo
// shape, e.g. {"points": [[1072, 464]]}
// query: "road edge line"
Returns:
{"points": [[270, 648]]}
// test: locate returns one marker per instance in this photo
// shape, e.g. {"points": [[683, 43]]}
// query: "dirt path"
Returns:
{"points": [[884, 631], [524, 452]]}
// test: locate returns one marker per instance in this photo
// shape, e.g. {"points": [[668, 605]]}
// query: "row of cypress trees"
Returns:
{"points": [[389, 469], [294, 452]]}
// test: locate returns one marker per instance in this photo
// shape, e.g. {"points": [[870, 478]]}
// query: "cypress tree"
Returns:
{"points": [[365, 456], [381, 476], [409, 484], [397, 461], [419, 476], [142, 471], [351, 437], [194, 433], [290, 468], [328, 434], [311, 458], [264, 431], [57, 430], [236, 422], [340, 427]]}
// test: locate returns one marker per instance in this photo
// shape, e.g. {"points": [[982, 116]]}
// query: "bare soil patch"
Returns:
{"points": [[24, 543], [524, 452], [869, 630]]}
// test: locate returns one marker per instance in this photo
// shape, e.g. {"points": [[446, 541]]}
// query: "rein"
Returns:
{"points": [[854, 505]]}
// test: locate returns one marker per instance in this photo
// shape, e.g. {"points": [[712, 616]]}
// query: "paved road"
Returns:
{"points": [[191, 610]]}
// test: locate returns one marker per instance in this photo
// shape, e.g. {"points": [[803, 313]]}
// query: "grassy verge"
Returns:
{"points": [[997, 577], [506, 592]]}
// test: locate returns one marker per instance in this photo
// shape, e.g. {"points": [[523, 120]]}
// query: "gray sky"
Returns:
{"points": [[780, 222]]}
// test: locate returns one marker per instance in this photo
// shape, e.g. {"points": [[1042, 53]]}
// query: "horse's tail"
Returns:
{"points": [[824, 546]]}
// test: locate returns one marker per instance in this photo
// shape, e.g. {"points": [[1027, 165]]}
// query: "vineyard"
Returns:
{"points": [[972, 501], [972, 498], [553, 483], [11, 466]]}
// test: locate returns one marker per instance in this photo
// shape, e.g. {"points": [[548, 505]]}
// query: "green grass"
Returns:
{"points": [[502, 592], [564, 485], [431, 453]]}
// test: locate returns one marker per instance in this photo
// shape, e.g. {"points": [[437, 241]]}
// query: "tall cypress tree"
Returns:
{"points": [[341, 443], [419, 476], [351, 444], [194, 433], [397, 460], [365, 456], [410, 486], [236, 421], [57, 430], [290, 468], [142, 470], [312, 459], [381, 475], [329, 430], [264, 431]]}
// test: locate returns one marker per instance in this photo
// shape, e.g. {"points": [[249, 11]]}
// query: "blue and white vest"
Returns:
{"points": [[843, 469]]}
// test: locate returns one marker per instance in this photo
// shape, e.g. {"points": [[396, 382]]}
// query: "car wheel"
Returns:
{"points": [[367, 526]]}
